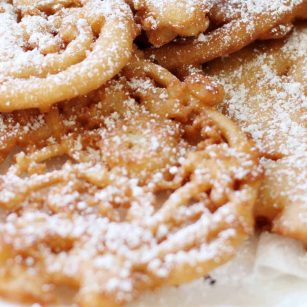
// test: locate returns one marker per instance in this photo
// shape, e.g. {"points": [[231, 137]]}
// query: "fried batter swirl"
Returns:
{"points": [[53, 51]]}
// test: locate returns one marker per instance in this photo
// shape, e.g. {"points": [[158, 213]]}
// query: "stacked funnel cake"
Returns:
{"points": [[118, 175]]}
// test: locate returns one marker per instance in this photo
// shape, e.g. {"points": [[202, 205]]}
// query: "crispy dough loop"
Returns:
{"points": [[164, 94], [71, 52]]}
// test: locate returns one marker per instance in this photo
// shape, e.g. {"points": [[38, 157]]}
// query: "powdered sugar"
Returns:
{"points": [[265, 96]]}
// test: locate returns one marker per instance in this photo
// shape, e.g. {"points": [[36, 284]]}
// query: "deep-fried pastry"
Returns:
{"points": [[164, 20], [283, 198], [139, 199], [266, 88], [157, 89], [239, 23], [54, 51], [265, 92]]}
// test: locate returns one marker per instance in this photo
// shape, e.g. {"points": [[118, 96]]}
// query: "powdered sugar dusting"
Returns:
{"points": [[266, 94], [265, 89]]}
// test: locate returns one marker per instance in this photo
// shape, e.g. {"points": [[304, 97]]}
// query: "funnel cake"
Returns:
{"points": [[266, 90], [236, 24], [134, 199], [56, 50]]}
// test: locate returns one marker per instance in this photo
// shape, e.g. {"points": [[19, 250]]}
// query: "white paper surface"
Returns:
{"points": [[269, 271]]}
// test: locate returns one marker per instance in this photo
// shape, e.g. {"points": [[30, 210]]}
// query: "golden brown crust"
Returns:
{"points": [[165, 20]]}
